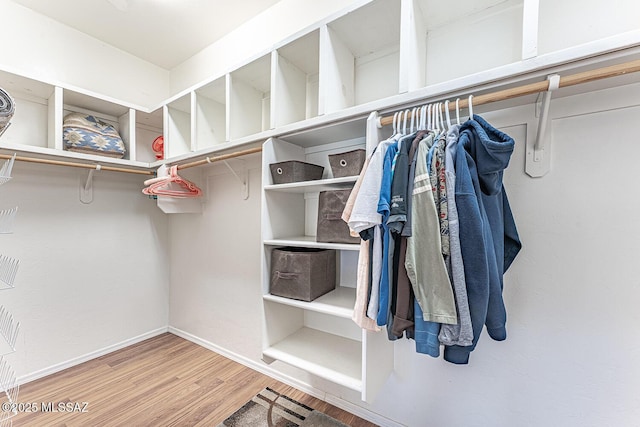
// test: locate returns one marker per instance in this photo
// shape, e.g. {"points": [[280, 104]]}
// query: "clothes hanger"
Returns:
{"points": [[458, 110], [414, 119], [444, 127], [404, 124], [395, 127], [470, 107], [446, 111], [429, 127], [423, 117], [164, 187]]}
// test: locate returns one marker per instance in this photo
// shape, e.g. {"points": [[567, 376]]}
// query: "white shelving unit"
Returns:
{"points": [[177, 127], [37, 128], [149, 126], [360, 56], [557, 16], [295, 80], [211, 114], [488, 33], [377, 55], [317, 336], [250, 98]]}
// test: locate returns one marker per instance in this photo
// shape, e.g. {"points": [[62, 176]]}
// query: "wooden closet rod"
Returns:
{"points": [[221, 157], [126, 170], [532, 88], [76, 165]]}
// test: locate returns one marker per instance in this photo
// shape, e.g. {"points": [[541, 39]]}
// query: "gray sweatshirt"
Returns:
{"points": [[462, 333]]}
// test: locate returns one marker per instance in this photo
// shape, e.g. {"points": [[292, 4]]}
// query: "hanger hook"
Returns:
{"points": [[434, 117], [404, 124], [470, 107], [395, 127], [413, 119], [446, 112]]}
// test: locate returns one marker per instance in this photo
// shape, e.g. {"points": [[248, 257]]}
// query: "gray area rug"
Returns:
{"points": [[271, 409]]}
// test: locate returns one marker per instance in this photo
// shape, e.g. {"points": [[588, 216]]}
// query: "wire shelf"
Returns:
{"points": [[8, 329], [8, 270], [7, 218], [5, 170], [9, 386]]}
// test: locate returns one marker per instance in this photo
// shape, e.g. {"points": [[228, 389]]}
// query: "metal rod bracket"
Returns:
{"points": [[86, 189], [243, 178], [539, 146]]}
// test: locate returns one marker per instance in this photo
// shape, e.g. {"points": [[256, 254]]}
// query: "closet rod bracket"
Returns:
{"points": [[86, 188], [242, 177], [539, 153]]}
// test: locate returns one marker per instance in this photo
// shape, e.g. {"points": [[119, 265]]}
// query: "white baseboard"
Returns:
{"points": [[293, 382], [89, 356]]}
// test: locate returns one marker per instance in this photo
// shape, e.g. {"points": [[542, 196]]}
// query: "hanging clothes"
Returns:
{"points": [[462, 332], [439, 239], [424, 262], [488, 236], [362, 281]]}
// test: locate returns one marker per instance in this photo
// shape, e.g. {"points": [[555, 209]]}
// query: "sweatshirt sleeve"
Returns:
{"points": [[512, 244]]}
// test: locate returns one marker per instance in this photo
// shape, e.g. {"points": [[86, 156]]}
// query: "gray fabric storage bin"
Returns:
{"points": [[331, 228], [347, 164], [294, 171], [302, 273]]}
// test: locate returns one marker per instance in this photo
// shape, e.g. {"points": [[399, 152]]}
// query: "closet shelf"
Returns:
{"points": [[9, 387], [314, 186], [328, 356], [7, 218], [337, 303], [5, 170], [54, 153], [310, 242], [9, 330], [8, 270]]}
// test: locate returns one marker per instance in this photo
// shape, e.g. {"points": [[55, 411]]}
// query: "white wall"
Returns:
{"points": [[41, 48], [571, 295], [256, 36], [91, 276], [215, 262]]}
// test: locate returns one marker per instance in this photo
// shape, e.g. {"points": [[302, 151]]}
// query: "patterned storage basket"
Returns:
{"points": [[87, 134]]}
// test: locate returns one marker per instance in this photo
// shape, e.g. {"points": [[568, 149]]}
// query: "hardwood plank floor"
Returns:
{"points": [[162, 381]]}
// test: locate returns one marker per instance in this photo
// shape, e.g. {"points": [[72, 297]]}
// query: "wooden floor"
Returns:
{"points": [[163, 381]]}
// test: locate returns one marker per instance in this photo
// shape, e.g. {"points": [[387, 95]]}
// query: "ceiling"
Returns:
{"points": [[163, 32]]}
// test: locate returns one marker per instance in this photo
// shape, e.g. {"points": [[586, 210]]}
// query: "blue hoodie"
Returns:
{"points": [[488, 236]]}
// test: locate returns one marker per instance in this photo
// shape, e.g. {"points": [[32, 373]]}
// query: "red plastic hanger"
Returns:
{"points": [[172, 185]]}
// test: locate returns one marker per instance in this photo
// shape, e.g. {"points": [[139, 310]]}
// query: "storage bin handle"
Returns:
{"points": [[332, 215], [286, 276]]}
